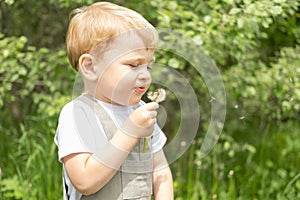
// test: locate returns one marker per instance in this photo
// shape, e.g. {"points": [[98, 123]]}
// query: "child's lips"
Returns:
{"points": [[140, 89]]}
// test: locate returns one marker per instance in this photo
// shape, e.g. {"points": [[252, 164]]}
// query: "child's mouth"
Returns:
{"points": [[140, 89]]}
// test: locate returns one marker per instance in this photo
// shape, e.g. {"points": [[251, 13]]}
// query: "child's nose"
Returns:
{"points": [[144, 75]]}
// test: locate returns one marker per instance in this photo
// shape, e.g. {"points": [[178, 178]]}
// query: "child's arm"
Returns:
{"points": [[87, 174], [162, 178]]}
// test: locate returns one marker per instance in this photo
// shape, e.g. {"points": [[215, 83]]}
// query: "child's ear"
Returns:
{"points": [[87, 67]]}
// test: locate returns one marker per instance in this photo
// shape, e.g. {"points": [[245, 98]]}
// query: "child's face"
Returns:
{"points": [[126, 76]]}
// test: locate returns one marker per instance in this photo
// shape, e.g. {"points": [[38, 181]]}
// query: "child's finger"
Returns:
{"points": [[149, 115], [152, 106], [152, 114]]}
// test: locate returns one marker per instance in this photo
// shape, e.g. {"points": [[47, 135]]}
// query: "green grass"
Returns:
{"points": [[246, 163], [29, 163]]}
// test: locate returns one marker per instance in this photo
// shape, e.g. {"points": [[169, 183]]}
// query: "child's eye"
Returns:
{"points": [[149, 67], [134, 65], [139, 65]]}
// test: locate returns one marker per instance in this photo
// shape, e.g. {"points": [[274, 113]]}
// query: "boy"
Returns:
{"points": [[108, 139]]}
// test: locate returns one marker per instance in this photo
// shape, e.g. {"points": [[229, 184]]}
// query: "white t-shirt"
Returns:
{"points": [[68, 141]]}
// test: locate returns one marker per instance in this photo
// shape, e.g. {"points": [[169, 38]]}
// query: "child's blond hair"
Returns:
{"points": [[96, 24]]}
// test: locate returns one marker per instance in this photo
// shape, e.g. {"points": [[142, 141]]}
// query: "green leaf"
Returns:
{"points": [[234, 11]]}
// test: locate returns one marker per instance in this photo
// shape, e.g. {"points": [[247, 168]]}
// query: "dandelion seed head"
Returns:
{"points": [[158, 96]]}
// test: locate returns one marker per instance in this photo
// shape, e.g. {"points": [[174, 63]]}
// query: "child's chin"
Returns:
{"points": [[134, 101]]}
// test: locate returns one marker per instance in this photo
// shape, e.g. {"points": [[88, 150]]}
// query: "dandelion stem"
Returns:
{"points": [[144, 147]]}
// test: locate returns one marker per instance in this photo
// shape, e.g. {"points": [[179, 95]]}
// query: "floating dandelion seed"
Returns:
{"points": [[183, 143], [212, 99], [158, 96], [215, 196], [198, 163], [230, 174]]}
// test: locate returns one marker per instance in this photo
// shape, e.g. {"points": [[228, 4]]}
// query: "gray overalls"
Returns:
{"points": [[134, 178]]}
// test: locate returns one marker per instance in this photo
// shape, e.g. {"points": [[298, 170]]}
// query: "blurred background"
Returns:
{"points": [[254, 44]]}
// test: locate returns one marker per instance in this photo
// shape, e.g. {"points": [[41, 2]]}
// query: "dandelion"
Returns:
{"points": [[158, 96]]}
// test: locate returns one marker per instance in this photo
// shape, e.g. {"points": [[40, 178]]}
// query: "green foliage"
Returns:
{"points": [[278, 86], [228, 30], [32, 93], [13, 188], [30, 74], [256, 44]]}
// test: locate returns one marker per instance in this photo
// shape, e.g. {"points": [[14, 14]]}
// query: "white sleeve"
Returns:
{"points": [[67, 137]]}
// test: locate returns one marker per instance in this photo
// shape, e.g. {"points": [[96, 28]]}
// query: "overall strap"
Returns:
{"points": [[106, 121]]}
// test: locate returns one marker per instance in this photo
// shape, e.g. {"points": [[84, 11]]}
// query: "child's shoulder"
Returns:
{"points": [[67, 108], [74, 105]]}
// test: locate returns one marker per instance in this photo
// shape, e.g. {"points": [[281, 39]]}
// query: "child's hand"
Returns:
{"points": [[141, 121]]}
